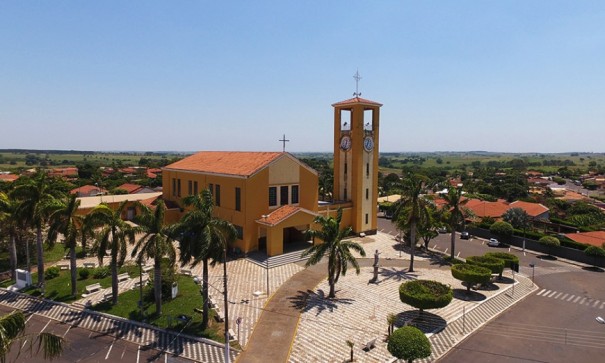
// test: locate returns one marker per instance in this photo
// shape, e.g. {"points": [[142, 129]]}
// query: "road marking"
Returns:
{"points": [[66, 331], [570, 297], [29, 318], [542, 292], [552, 294], [582, 302], [138, 353], [165, 358], [564, 296], [595, 304], [576, 299], [445, 251], [109, 351], [557, 295], [524, 253], [458, 255], [435, 246], [45, 326]]}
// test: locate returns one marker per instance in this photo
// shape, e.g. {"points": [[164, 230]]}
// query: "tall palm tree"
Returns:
{"points": [[411, 210], [36, 196], [10, 224], [155, 243], [453, 217], [12, 326], [334, 247], [66, 220], [203, 238], [115, 234]]}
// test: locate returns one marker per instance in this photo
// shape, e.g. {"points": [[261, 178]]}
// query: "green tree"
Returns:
{"points": [[155, 243], [409, 343], [471, 274], [115, 234], [10, 225], [12, 326], [550, 242], [517, 217], [37, 198], [203, 238], [595, 252], [334, 247], [411, 210], [501, 228], [454, 204], [495, 265], [66, 221], [425, 294]]}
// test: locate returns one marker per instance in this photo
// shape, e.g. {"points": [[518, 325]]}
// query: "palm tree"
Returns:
{"points": [[334, 247], [454, 202], [411, 210], [115, 234], [155, 243], [10, 225], [36, 196], [66, 220], [203, 238], [12, 326]]}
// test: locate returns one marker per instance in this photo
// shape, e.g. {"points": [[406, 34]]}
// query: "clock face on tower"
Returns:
{"points": [[345, 143], [368, 143]]}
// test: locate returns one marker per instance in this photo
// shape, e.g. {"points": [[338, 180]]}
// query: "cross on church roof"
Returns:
{"points": [[357, 79], [284, 140]]}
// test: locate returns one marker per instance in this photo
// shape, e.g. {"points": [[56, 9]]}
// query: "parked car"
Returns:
{"points": [[493, 242], [465, 235], [442, 230]]}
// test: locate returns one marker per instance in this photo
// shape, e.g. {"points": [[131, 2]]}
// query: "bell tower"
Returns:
{"points": [[356, 130]]}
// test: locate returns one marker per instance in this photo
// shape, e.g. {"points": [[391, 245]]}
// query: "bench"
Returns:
{"points": [[147, 268], [186, 272], [219, 316], [89, 264], [369, 345], [231, 335], [63, 266], [107, 296], [123, 277], [211, 303], [92, 288]]}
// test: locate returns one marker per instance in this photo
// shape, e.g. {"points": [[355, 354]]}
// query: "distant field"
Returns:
{"points": [[11, 160]]}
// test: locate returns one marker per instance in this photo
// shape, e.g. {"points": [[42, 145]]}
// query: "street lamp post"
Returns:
{"points": [[533, 270], [227, 360]]}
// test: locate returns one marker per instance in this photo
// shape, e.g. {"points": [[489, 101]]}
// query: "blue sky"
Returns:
{"points": [[508, 76]]}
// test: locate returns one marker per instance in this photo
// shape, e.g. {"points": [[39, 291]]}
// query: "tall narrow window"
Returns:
{"points": [[189, 187], [173, 187], [194, 188], [272, 196], [211, 188], [217, 195], [238, 201], [345, 168], [345, 196], [367, 193], [178, 187], [367, 169], [367, 218], [283, 195], [295, 194]]}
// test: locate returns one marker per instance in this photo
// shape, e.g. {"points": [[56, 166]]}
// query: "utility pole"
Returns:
{"points": [[227, 358]]}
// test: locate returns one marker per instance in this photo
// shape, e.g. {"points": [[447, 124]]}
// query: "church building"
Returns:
{"points": [[272, 197]]}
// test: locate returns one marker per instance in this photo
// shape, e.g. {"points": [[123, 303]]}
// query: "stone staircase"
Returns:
{"points": [[261, 259]]}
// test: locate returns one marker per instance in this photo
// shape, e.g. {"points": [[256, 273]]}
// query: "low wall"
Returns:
{"points": [[533, 245]]}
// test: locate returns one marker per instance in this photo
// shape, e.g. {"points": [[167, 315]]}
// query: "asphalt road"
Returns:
{"points": [[82, 345], [555, 324]]}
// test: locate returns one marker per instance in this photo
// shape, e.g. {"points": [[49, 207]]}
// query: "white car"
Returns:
{"points": [[493, 242]]}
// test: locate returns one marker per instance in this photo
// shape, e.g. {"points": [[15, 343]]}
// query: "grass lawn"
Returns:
{"points": [[188, 299], [59, 288]]}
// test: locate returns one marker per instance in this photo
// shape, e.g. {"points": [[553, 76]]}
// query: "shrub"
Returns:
{"points": [[101, 272], [51, 273], [550, 242], [496, 265], [595, 252], [501, 228], [425, 294], [471, 274], [83, 273], [409, 343], [508, 259]]}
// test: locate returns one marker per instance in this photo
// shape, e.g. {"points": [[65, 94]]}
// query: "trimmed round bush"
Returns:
{"points": [[550, 242], [83, 273], [471, 274], [425, 294], [409, 343], [594, 251], [501, 228], [51, 273], [495, 265], [508, 258]]}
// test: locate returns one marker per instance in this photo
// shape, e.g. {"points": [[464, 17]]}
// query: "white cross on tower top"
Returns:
{"points": [[357, 79]]}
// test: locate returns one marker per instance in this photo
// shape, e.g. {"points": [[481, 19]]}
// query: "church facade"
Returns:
{"points": [[272, 197]]}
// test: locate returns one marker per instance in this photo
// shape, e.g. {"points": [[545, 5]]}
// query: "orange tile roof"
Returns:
{"points": [[482, 208], [8, 177], [239, 163], [281, 214], [130, 188], [87, 189], [356, 100], [532, 209], [596, 238]]}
